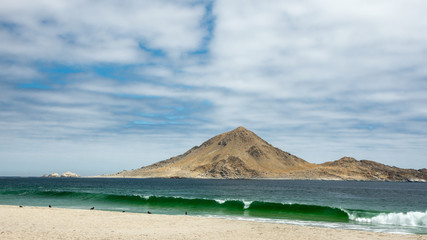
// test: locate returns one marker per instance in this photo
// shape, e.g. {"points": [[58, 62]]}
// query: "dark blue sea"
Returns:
{"points": [[396, 207]]}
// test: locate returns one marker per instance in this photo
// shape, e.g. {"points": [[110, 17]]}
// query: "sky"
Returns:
{"points": [[96, 87]]}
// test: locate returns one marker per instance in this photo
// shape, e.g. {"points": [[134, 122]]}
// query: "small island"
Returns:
{"points": [[66, 174]]}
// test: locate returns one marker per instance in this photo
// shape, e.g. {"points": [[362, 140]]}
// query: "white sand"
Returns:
{"points": [[57, 223]]}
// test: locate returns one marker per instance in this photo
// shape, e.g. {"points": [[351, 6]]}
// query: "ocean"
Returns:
{"points": [[395, 207]]}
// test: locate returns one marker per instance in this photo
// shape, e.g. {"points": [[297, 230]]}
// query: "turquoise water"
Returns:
{"points": [[372, 206]]}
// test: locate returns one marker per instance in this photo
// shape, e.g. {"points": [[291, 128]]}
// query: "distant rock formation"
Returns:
{"points": [[242, 154], [67, 174], [52, 175]]}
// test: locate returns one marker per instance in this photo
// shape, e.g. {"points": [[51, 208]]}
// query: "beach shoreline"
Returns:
{"points": [[63, 223]]}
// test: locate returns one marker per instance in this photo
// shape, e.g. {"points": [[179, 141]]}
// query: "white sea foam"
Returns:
{"points": [[220, 201], [142, 196], [416, 219], [247, 204]]}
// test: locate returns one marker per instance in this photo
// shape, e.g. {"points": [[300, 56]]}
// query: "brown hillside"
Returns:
{"points": [[371, 170], [236, 154]]}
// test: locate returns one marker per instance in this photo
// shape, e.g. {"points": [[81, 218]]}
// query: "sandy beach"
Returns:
{"points": [[58, 223]]}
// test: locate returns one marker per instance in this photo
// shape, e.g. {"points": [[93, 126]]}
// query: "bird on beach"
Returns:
{"points": [[149, 212], [50, 206], [20, 205], [92, 208]]}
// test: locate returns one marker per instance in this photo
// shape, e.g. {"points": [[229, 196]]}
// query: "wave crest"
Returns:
{"points": [[416, 219]]}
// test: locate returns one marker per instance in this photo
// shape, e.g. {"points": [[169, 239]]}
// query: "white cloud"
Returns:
{"points": [[9, 72], [107, 31]]}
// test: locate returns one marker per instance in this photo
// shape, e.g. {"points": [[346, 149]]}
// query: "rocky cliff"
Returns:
{"points": [[242, 154]]}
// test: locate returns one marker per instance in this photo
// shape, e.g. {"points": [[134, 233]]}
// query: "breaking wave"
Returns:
{"points": [[212, 206], [415, 219]]}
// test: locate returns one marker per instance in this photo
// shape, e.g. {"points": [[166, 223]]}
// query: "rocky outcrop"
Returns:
{"points": [[69, 174], [232, 167], [242, 154], [65, 174], [52, 175]]}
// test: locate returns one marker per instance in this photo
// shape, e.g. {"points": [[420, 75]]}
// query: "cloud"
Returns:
{"points": [[109, 31], [320, 79]]}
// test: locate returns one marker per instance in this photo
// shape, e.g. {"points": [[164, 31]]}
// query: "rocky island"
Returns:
{"points": [[65, 174], [240, 153]]}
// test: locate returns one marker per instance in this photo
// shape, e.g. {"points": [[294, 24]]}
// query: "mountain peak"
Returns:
{"points": [[241, 135], [240, 128]]}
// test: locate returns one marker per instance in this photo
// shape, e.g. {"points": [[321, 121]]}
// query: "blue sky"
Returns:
{"points": [[99, 86]]}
